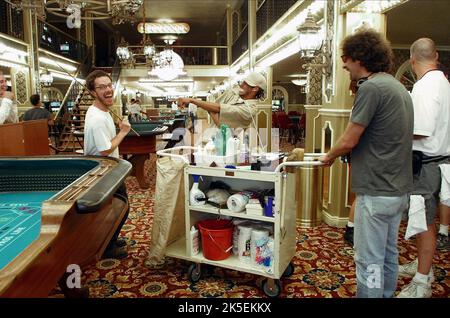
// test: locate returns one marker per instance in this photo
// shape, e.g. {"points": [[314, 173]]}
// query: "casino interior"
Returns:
{"points": [[59, 209]]}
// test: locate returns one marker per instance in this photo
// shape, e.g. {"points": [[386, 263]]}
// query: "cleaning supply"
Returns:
{"points": [[194, 241], [244, 242], [268, 209], [232, 149], [254, 207], [237, 202], [210, 148], [196, 196], [259, 252], [244, 154]]}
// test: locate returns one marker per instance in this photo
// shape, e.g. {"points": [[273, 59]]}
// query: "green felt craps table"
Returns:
{"points": [[20, 222]]}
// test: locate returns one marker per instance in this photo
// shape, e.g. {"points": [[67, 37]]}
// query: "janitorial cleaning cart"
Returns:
{"points": [[243, 237]]}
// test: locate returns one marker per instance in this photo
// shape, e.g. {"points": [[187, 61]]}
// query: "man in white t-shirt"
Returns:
{"points": [[431, 99], [135, 110], [8, 108], [100, 139]]}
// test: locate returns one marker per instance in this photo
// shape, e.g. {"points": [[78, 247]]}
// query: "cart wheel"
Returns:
{"points": [[289, 270], [194, 273], [271, 289]]}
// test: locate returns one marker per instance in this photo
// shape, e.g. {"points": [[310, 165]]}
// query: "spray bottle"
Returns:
{"points": [[194, 241], [196, 196]]}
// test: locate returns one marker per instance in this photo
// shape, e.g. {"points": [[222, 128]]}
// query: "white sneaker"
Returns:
{"points": [[410, 269], [416, 289]]}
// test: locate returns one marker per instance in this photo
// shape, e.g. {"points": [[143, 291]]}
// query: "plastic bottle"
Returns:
{"points": [[232, 150], [218, 142], [226, 134], [196, 196], [194, 241], [244, 155], [210, 148]]}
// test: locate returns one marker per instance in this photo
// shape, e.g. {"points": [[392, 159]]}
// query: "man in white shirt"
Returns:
{"points": [[135, 110], [100, 139], [431, 99], [8, 108]]}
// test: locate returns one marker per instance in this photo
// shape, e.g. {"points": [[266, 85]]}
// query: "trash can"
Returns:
{"points": [[309, 195]]}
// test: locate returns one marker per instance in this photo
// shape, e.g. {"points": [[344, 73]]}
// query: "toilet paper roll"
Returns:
{"points": [[237, 202], [244, 242], [258, 247]]}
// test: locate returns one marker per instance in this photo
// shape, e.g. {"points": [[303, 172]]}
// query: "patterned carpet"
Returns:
{"points": [[323, 263]]}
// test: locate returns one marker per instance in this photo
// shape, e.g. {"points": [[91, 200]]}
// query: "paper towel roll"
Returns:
{"points": [[244, 242], [237, 202], [258, 247]]}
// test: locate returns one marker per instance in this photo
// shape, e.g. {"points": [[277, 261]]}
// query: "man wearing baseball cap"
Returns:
{"points": [[236, 110]]}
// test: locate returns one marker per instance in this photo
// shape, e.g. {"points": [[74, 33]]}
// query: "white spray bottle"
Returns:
{"points": [[194, 241], [196, 196]]}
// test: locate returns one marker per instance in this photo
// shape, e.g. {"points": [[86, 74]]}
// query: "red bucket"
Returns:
{"points": [[217, 239]]}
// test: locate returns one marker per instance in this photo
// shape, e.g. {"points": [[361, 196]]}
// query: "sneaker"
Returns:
{"points": [[115, 252], [415, 289], [443, 242], [410, 269], [348, 235]]}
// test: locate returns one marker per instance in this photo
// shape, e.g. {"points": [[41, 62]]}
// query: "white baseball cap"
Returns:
{"points": [[256, 79]]}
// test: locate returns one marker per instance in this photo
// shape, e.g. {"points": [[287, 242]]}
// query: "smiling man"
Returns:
{"points": [[100, 139]]}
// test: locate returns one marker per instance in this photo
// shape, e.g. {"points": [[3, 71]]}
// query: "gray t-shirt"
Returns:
{"points": [[382, 160], [36, 113]]}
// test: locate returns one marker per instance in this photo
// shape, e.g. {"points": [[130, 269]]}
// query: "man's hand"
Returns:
{"points": [[326, 160], [125, 126], [183, 102], [8, 95]]}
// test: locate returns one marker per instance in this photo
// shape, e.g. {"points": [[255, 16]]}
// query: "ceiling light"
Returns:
{"points": [[301, 80], [46, 79], [163, 28]]}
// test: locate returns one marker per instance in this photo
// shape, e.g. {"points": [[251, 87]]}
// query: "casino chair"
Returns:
{"points": [[286, 126], [302, 126], [274, 120]]}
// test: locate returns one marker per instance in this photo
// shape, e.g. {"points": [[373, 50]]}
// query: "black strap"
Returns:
{"points": [[434, 69], [427, 159]]}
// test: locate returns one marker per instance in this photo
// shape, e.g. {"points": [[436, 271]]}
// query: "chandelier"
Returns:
{"points": [[166, 64], [130, 56], [46, 79], [120, 11]]}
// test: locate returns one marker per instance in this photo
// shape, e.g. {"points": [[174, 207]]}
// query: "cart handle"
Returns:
{"points": [[166, 153], [314, 154], [298, 164]]}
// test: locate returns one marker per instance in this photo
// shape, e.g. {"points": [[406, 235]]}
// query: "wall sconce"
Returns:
{"points": [[303, 82], [311, 43]]}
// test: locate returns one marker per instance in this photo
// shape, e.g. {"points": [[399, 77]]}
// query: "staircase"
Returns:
{"points": [[71, 138]]}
